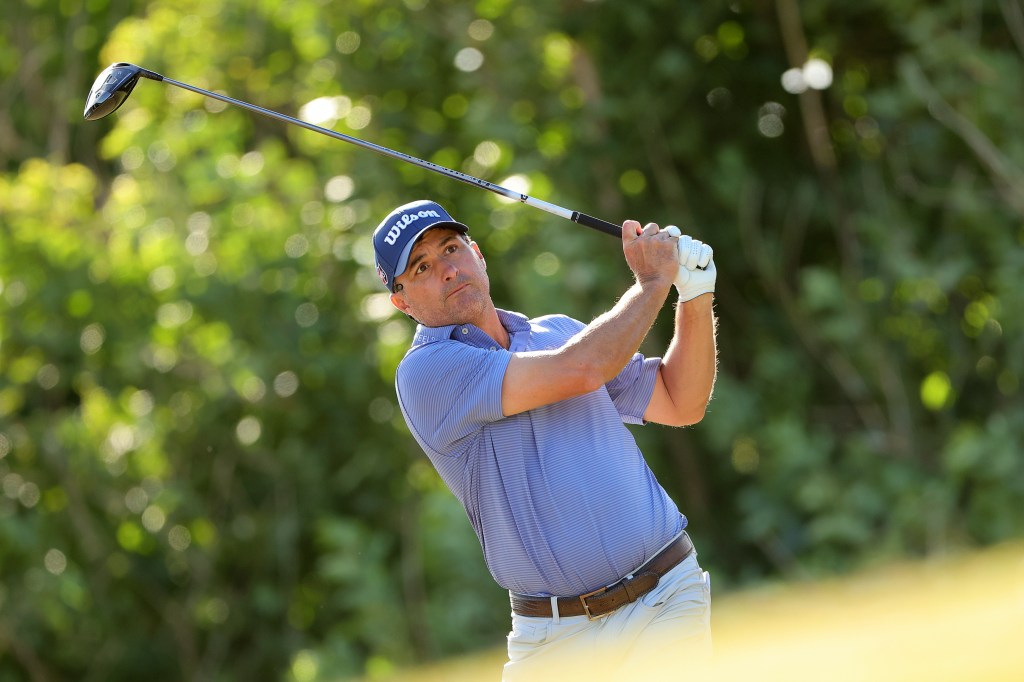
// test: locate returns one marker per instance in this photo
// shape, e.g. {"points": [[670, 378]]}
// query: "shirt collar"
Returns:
{"points": [[514, 323]]}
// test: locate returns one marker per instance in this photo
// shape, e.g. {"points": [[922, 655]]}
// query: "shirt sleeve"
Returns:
{"points": [[632, 388], [448, 391]]}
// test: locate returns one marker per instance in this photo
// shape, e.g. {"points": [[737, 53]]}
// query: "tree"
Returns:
{"points": [[198, 431]]}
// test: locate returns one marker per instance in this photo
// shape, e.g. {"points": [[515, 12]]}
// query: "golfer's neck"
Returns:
{"points": [[491, 325]]}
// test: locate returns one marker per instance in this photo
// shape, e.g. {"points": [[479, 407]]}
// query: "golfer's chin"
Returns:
{"points": [[465, 306]]}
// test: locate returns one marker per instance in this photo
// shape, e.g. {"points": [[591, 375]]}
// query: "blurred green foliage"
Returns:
{"points": [[204, 473]]}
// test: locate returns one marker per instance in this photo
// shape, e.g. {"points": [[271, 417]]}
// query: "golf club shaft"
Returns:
{"points": [[575, 216]]}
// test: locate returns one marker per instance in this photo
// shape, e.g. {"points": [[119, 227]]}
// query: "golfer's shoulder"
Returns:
{"points": [[436, 358], [557, 324]]}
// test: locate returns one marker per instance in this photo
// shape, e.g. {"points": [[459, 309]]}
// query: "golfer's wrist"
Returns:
{"points": [[655, 283]]}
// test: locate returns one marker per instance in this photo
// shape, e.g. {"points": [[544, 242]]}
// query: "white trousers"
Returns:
{"points": [[662, 633]]}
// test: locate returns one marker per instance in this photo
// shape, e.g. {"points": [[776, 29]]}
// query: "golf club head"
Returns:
{"points": [[112, 87]]}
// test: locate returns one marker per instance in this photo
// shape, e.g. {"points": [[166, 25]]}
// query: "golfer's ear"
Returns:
{"points": [[476, 249], [398, 301]]}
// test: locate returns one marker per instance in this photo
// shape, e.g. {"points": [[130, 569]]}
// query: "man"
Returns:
{"points": [[524, 421]]}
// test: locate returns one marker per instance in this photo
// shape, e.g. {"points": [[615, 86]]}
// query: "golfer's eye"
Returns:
{"points": [[421, 268]]}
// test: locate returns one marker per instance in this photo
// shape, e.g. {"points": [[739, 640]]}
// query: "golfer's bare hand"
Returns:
{"points": [[650, 253]]}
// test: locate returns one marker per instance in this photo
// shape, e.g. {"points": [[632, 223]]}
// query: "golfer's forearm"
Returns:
{"points": [[607, 344], [690, 363], [590, 359]]}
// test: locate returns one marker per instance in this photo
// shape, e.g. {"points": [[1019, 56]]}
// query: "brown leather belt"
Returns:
{"points": [[605, 600]]}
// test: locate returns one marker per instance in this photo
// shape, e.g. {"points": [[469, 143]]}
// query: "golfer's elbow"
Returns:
{"points": [[583, 371], [688, 410], [674, 416], [582, 378], [691, 416]]}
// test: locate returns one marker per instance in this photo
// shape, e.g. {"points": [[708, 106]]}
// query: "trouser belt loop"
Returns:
{"points": [[554, 609]]}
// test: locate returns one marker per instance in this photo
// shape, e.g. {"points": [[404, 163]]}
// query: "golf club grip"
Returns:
{"points": [[597, 224]]}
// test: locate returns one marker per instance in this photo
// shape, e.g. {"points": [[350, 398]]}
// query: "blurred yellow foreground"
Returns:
{"points": [[956, 619]]}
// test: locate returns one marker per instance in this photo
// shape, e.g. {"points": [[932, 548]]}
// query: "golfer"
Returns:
{"points": [[524, 421]]}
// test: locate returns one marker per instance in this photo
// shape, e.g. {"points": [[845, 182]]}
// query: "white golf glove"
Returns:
{"points": [[697, 271]]}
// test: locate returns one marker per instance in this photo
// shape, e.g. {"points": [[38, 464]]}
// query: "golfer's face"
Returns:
{"points": [[445, 281]]}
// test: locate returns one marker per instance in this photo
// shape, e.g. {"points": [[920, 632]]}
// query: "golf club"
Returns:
{"points": [[112, 87]]}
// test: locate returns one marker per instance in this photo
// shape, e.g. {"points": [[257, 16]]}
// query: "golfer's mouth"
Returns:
{"points": [[457, 289]]}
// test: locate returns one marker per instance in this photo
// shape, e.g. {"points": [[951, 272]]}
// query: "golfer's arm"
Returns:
{"points": [[686, 377], [590, 359]]}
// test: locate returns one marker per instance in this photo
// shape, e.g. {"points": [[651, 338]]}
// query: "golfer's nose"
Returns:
{"points": [[448, 270]]}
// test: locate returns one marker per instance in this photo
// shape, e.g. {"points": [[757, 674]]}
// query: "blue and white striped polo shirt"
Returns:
{"points": [[560, 496]]}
